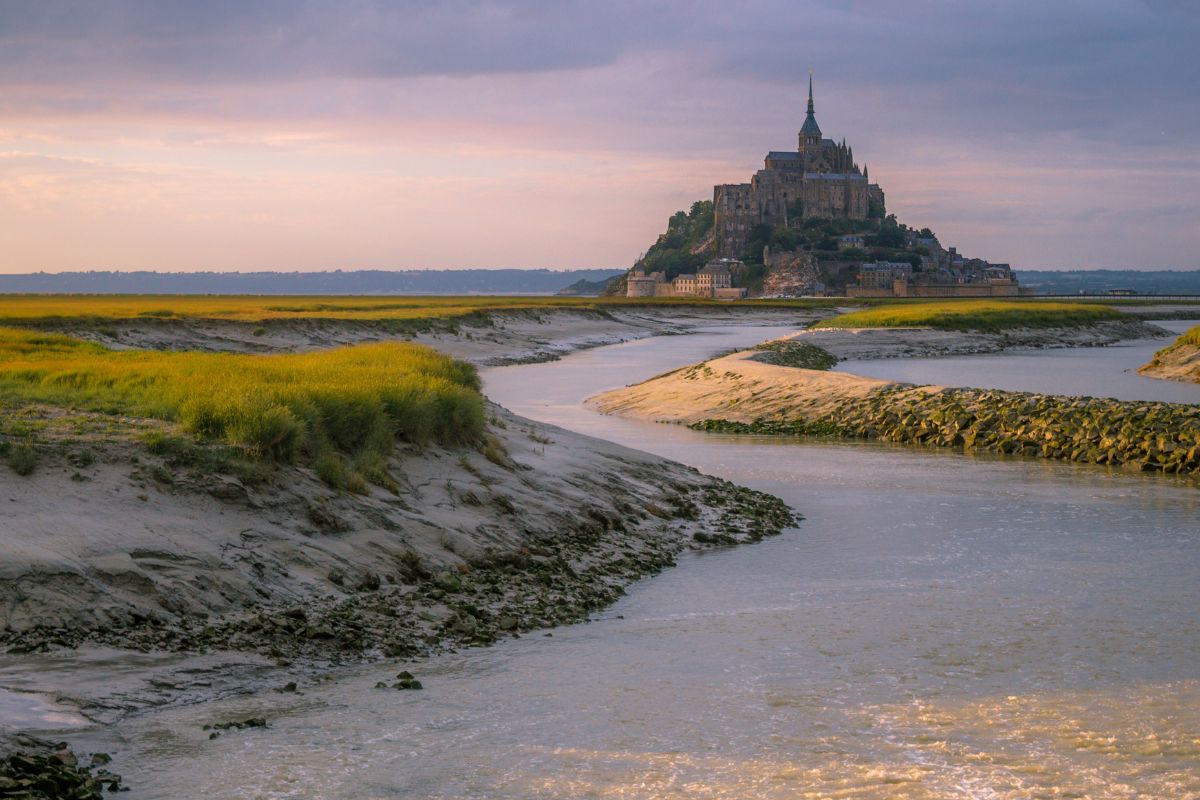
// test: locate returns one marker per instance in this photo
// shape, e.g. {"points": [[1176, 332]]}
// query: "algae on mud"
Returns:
{"points": [[795, 353]]}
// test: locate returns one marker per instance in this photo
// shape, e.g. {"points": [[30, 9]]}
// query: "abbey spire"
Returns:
{"points": [[810, 134]]}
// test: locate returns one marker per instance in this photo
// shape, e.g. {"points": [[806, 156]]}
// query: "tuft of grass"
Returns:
{"points": [[373, 467], [1189, 337], [21, 457], [493, 451], [350, 400], [977, 315], [332, 468]]}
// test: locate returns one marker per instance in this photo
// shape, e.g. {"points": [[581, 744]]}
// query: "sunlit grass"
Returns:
{"points": [[977, 315], [350, 401], [1190, 336]]}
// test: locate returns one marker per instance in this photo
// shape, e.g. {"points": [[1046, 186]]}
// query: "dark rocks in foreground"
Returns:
{"points": [[36, 769]]}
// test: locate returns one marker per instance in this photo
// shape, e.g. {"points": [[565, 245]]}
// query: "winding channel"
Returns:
{"points": [[941, 626]]}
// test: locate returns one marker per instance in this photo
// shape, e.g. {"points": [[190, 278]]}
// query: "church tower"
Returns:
{"points": [[810, 134]]}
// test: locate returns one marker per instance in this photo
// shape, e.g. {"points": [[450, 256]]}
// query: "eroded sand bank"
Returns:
{"points": [[1180, 363], [110, 548], [735, 387]]}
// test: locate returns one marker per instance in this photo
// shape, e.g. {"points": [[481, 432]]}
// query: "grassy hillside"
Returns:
{"points": [[351, 402], [687, 231], [977, 315]]}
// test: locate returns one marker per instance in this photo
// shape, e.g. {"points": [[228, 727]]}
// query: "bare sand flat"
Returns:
{"points": [[738, 388]]}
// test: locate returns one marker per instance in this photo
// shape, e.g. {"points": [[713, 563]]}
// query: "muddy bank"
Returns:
{"points": [[113, 542], [871, 343], [107, 542], [146, 570], [491, 338], [739, 394]]}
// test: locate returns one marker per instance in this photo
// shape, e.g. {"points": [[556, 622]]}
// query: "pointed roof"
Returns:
{"points": [[811, 128]]}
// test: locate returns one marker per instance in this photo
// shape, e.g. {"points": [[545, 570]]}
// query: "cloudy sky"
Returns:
{"points": [[296, 134]]}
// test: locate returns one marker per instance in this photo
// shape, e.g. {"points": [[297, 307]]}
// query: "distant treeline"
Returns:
{"points": [[1099, 281], [357, 282]]}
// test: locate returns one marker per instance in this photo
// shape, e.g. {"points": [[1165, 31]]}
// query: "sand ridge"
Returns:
{"points": [[735, 387]]}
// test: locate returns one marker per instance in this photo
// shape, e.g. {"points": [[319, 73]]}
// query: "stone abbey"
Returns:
{"points": [[819, 179], [809, 222]]}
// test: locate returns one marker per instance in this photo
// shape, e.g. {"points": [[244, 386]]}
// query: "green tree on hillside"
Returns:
{"points": [[686, 230]]}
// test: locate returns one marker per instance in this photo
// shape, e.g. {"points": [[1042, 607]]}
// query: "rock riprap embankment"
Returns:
{"points": [[1161, 437], [738, 393]]}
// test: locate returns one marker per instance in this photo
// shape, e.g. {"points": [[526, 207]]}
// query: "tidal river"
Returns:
{"points": [[941, 626]]}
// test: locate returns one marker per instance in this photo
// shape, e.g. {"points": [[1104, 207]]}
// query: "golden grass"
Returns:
{"points": [[1190, 336], [350, 400], [978, 315]]}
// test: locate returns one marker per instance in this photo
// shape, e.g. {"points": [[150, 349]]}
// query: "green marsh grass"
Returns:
{"points": [[339, 405], [977, 315]]}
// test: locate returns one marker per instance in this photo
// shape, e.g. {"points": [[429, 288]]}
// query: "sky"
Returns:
{"points": [[304, 135]]}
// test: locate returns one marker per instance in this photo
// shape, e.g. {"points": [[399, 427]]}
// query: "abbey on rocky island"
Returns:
{"points": [[819, 179], [809, 222]]}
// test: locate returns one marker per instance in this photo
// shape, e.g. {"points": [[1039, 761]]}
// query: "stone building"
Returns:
{"points": [[714, 281], [819, 179], [639, 284], [898, 279]]}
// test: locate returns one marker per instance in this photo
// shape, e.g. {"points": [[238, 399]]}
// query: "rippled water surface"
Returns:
{"points": [[940, 626]]}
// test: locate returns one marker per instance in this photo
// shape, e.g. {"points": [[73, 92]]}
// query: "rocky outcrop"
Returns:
{"points": [[790, 273]]}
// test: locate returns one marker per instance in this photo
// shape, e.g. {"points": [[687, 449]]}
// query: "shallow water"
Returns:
{"points": [[1095, 371], [941, 626]]}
